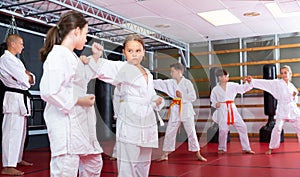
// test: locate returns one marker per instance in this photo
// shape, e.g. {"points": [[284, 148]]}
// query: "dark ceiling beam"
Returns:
{"points": [[19, 4], [103, 31], [96, 24], [47, 12]]}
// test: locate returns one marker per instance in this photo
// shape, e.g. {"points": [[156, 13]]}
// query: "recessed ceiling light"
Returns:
{"points": [[251, 14], [219, 17], [162, 26], [277, 12]]}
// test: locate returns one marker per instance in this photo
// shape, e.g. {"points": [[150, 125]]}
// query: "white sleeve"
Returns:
{"points": [[266, 85], [243, 88], [106, 70], [17, 71], [164, 86], [56, 87], [213, 97]]}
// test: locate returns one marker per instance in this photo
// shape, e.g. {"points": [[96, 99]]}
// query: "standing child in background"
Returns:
{"points": [[182, 92], [16, 106], [69, 113], [226, 114], [287, 110]]}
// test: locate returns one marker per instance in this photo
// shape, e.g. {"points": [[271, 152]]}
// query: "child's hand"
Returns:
{"points": [[248, 79], [86, 101], [294, 95], [178, 94], [218, 105], [84, 59], [97, 50], [158, 101]]}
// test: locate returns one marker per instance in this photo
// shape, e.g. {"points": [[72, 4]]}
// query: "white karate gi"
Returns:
{"points": [[71, 128], [287, 109], [137, 130], [218, 94], [187, 90], [12, 74]]}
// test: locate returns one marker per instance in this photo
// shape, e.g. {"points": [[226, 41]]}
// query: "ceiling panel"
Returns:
{"points": [[166, 8], [127, 11], [237, 30], [202, 6]]}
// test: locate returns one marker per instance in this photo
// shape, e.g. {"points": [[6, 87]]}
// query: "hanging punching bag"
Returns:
{"points": [[269, 72], [104, 104], [213, 131], [270, 103]]}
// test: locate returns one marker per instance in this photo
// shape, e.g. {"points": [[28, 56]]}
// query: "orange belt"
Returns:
{"points": [[174, 102], [230, 115]]}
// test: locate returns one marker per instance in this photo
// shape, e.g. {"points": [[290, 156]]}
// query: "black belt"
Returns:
{"points": [[24, 92]]}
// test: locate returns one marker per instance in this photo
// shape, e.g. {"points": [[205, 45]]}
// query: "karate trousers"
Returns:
{"points": [[275, 135], [171, 132], [241, 128], [13, 138], [133, 160], [68, 165]]}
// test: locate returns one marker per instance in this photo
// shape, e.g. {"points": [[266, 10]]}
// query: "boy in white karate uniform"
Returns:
{"points": [[226, 114], [182, 92]]}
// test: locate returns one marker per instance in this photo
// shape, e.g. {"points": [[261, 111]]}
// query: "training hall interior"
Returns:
{"points": [[246, 38]]}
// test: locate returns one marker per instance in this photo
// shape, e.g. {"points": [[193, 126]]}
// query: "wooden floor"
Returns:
{"points": [[284, 162]]}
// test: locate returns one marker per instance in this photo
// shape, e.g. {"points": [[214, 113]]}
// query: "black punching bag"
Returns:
{"points": [[270, 103], [104, 104], [213, 131]]}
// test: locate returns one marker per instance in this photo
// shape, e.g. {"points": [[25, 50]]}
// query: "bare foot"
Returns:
{"points": [[163, 158], [248, 152], [268, 152], [221, 151], [200, 157], [11, 171], [25, 163]]}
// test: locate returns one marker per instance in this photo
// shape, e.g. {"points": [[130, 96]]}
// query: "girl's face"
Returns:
{"points": [[134, 52], [80, 37], [285, 74]]}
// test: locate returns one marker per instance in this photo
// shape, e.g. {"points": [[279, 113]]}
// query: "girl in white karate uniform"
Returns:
{"points": [[137, 132], [69, 113], [182, 88], [15, 109], [287, 110], [226, 114]]}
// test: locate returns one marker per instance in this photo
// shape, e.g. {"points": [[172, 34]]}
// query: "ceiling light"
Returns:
{"points": [[251, 14], [277, 12], [162, 26], [219, 17]]}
